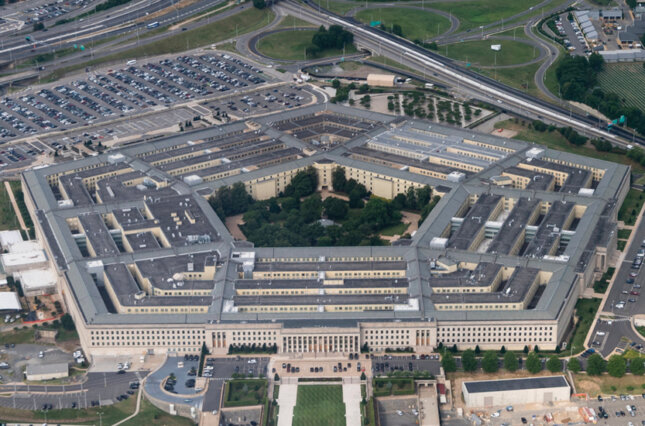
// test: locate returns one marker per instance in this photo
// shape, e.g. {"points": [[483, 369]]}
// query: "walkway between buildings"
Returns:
{"points": [[286, 402], [352, 400]]}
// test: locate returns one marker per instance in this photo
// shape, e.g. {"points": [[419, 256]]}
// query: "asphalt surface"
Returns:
{"points": [[102, 387]]}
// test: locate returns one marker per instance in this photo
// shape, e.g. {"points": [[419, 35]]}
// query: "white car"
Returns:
{"points": [[399, 412], [495, 414]]}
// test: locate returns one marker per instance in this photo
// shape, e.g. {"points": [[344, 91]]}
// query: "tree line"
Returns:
{"points": [[333, 38], [577, 78], [616, 366]]}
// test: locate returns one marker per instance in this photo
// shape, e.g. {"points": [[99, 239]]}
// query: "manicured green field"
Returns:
{"points": [[243, 392], [622, 79], [319, 405], [472, 14], [479, 52], [415, 23], [291, 45], [397, 229], [151, 415]]}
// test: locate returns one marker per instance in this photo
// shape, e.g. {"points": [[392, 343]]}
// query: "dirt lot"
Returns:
{"points": [[607, 385], [233, 225]]}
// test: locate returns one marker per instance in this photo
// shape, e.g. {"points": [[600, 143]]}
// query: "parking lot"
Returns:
{"points": [[389, 363], [121, 92], [574, 40], [42, 11], [398, 411], [20, 356], [262, 101], [98, 389]]}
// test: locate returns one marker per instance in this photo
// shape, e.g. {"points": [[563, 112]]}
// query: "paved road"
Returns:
{"points": [[103, 387]]}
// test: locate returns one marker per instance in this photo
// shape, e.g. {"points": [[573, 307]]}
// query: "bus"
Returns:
{"points": [[153, 25]]}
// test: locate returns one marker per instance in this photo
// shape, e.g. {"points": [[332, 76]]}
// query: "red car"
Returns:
{"points": [[634, 293]]}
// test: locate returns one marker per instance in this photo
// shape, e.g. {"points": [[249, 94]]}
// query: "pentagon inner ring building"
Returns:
{"points": [[145, 264]]}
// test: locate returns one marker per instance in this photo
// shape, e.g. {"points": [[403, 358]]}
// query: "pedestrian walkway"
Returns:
{"points": [[287, 401], [352, 400]]}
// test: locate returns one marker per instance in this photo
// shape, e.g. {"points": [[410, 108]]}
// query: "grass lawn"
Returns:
{"points": [[517, 32], [151, 415], [641, 330], [243, 392], [415, 23], [111, 414], [291, 45], [319, 405], [585, 311], [340, 8], [621, 244], [555, 140], [27, 335], [242, 23], [624, 234], [397, 229], [290, 21], [389, 62], [478, 52], [622, 78], [520, 77], [396, 386], [472, 14], [8, 219], [606, 384], [601, 285], [631, 206]]}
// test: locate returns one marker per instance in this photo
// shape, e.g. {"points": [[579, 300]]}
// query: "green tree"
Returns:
{"points": [[468, 360], [526, 349], [311, 208], [595, 365], [67, 322], [554, 364], [448, 363], [259, 4], [596, 62], [39, 26], [616, 366], [510, 361], [533, 363], [637, 366], [335, 208], [335, 83], [490, 362], [338, 179], [477, 350], [574, 365]]}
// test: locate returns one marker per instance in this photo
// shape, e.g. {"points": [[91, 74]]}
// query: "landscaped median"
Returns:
{"points": [[386, 386]]}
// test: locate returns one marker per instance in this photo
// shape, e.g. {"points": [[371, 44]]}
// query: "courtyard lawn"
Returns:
{"points": [[238, 393], [319, 405], [291, 45], [631, 206], [479, 52], [415, 23], [397, 229], [472, 14], [606, 384]]}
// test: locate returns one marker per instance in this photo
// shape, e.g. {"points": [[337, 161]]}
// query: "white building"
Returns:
{"points": [[9, 302], [36, 282], [532, 390], [16, 262], [8, 238]]}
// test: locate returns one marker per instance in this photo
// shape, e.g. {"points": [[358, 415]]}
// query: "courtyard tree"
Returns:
{"points": [[510, 361]]}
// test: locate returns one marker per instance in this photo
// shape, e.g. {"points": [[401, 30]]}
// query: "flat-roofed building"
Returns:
{"points": [[526, 390]]}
